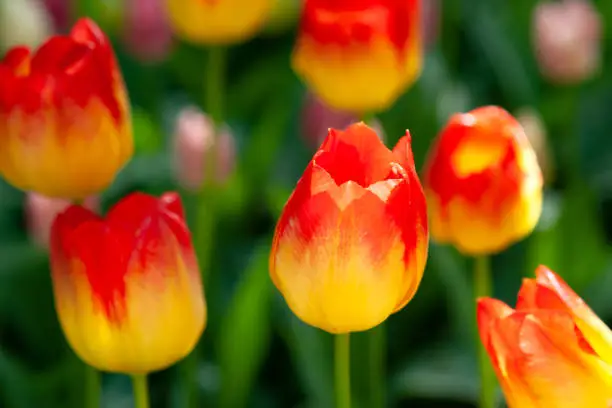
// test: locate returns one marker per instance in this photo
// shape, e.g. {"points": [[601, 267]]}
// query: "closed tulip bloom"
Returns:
{"points": [[351, 244], [552, 350], [213, 22], [359, 55], [482, 182], [567, 37], [41, 212], [64, 118], [127, 287], [195, 143], [146, 30]]}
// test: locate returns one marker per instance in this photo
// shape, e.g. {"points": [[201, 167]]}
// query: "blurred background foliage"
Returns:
{"points": [[255, 353]]}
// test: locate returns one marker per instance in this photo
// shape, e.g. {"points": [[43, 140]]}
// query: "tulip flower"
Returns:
{"points": [[146, 30], [359, 55], [482, 182], [318, 118], [23, 22], [41, 212], [552, 350], [218, 22], [351, 244], [127, 287], [194, 142], [567, 38], [65, 127]]}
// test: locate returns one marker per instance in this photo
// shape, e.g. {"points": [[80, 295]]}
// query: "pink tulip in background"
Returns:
{"points": [[567, 40], [41, 212], [317, 118], [194, 139], [146, 30], [59, 10]]}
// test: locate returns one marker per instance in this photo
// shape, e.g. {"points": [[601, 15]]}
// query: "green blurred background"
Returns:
{"points": [[254, 352]]}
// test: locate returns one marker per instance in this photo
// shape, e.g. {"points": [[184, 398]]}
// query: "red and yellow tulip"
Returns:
{"points": [[213, 22], [482, 182], [552, 350], [351, 244], [127, 288], [359, 55], [65, 128]]}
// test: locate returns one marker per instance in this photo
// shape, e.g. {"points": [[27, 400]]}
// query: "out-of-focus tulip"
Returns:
{"points": [[23, 22], [552, 351], [318, 118], [64, 115], [59, 10], [41, 212], [351, 244], [567, 38], [146, 29], [194, 143], [535, 129], [359, 55], [218, 21], [127, 288], [482, 182], [431, 21]]}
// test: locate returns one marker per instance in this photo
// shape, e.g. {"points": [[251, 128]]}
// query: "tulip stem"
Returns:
{"points": [[92, 387], [215, 84], [141, 391], [483, 287], [342, 356]]}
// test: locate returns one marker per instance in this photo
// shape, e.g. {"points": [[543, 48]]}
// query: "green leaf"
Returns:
{"points": [[245, 334]]}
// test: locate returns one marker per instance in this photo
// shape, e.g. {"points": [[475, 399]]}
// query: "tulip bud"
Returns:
{"points": [[41, 212], [318, 118], [359, 56], [567, 37], [351, 244], [146, 29], [23, 22], [552, 350], [59, 11], [127, 288], [536, 133], [212, 22], [482, 182], [431, 21], [194, 142], [64, 115]]}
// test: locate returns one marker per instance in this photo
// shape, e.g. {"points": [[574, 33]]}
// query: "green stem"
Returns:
{"points": [[342, 356], [483, 287], [376, 355], [92, 387], [141, 391], [214, 91]]}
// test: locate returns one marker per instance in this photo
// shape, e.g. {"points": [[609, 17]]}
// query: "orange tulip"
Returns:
{"points": [[127, 288], [351, 244], [218, 21], [482, 182], [64, 117], [551, 351], [359, 55]]}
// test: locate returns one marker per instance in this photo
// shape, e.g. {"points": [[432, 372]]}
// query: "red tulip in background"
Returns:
{"points": [[65, 128], [482, 182], [351, 244], [359, 55], [127, 288]]}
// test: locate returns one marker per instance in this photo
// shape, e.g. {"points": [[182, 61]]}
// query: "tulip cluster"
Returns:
{"points": [[351, 244]]}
